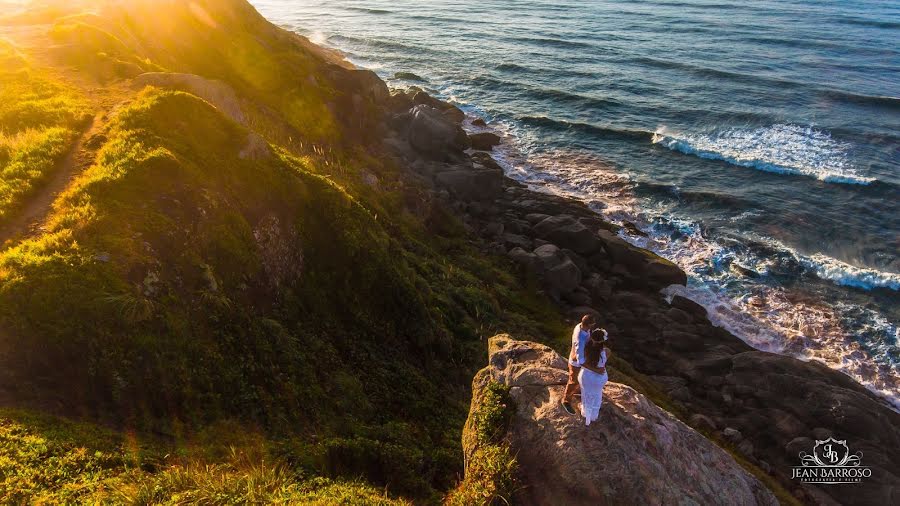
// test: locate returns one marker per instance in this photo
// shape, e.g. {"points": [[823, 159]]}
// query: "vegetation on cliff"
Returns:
{"points": [[267, 269], [490, 463]]}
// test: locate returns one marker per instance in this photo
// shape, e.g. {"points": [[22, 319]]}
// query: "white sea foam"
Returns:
{"points": [[318, 37], [781, 149], [848, 275], [839, 272]]}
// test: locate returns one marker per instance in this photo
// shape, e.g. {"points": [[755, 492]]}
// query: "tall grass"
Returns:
{"points": [[27, 159], [244, 481], [39, 116], [47, 460]]}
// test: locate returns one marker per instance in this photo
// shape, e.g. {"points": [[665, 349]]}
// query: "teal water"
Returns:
{"points": [[757, 142]]}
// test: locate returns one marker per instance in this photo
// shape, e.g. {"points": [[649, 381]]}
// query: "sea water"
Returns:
{"points": [[756, 142]]}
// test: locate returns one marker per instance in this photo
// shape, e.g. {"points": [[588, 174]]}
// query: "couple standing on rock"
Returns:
{"points": [[587, 368]]}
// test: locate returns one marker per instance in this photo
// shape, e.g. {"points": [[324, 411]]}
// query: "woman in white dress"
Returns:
{"points": [[593, 375]]}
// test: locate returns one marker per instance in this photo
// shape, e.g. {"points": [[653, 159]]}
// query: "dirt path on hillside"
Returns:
{"points": [[29, 219]]}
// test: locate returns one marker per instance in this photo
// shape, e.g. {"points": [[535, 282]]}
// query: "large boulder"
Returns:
{"points": [[470, 182], [650, 268], [567, 232], [370, 85], [361, 83], [448, 111], [636, 453], [433, 135], [561, 275], [484, 141]]}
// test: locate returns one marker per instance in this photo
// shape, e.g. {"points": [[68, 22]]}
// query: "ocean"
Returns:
{"points": [[757, 143]]}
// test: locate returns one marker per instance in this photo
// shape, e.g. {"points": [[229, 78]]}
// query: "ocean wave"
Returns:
{"points": [[874, 23], [714, 72], [540, 93], [394, 45], [564, 125], [780, 149], [512, 67], [553, 42], [845, 274], [862, 99], [368, 10]]}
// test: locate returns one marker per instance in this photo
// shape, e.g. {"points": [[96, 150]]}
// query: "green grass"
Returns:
{"points": [[490, 465], [39, 119], [26, 160], [255, 289], [49, 460]]}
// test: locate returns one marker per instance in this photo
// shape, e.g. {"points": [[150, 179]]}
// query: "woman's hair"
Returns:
{"points": [[592, 351], [599, 335]]}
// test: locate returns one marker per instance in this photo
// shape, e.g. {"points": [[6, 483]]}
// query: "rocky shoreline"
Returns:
{"points": [[768, 407]]}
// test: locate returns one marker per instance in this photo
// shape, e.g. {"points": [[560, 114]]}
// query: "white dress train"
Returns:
{"points": [[592, 390]]}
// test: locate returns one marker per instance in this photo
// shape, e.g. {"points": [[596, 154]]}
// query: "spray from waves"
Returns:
{"points": [[848, 275], [831, 269], [852, 339], [855, 340], [318, 37], [781, 149]]}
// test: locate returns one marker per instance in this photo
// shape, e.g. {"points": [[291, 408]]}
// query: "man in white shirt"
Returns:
{"points": [[580, 337]]}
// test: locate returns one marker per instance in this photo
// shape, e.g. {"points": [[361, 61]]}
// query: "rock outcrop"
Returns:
{"points": [[636, 453], [217, 93], [484, 141], [433, 134]]}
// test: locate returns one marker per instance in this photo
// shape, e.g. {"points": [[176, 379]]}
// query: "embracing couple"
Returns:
{"points": [[587, 368]]}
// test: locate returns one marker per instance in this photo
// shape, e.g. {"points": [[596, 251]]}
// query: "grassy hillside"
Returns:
{"points": [[211, 273], [50, 460], [40, 117]]}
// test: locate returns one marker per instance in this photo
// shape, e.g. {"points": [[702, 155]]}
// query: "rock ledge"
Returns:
{"points": [[636, 453]]}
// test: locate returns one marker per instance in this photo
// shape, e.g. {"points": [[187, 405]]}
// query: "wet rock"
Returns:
{"points": [[484, 141], [678, 315], [644, 265], [433, 135], [487, 160], [740, 270], [688, 306], [632, 229], [408, 76], [448, 111]]}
